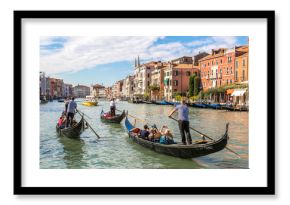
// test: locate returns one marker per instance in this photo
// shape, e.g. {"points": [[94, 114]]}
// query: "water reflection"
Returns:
{"points": [[74, 152]]}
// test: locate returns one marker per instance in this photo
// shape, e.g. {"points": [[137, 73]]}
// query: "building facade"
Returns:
{"points": [[109, 92], [241, 64], [129, 87], [176, 79], [217, 69], [157, 81], [142, 78], [42, 84], [98, 91], [67, 90], [81, 91], [55, 88]]}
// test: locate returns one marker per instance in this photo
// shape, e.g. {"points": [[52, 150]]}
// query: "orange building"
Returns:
{"points": [[242, 62], [217, 69]]}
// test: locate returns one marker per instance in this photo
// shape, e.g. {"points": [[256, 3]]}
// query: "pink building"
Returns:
{"points": [[176, 79]]}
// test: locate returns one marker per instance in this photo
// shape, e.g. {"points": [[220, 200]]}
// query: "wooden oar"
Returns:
{"points": [[85, 115], [89, 124], [204, 135]]}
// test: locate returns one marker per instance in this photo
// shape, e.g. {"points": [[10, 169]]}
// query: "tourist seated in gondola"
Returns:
{"points": [[107, 115], [61, 122], [154, 135], [145, 133], [166, 136]]}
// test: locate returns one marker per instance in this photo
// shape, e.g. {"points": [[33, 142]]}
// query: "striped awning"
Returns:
{"points": [[238, 93]]}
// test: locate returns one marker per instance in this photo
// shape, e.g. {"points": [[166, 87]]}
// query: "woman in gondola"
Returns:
{"points": [[61, 122]]}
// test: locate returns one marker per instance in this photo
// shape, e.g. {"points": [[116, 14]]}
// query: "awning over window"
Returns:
{"points": [[238, 93], [229, 91]]}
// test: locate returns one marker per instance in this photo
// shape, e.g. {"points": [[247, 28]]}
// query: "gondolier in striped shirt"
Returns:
{"points": [[183, 121], [113, 107], [72, 106]]}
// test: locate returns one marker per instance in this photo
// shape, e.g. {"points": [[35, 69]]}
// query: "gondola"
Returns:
{"points": [[43, 101], [160, 103], [231, 108], [169, 103], [213, 106], [172, 103], [197, 149], [198, 105], [106, 117], [72, 132]]}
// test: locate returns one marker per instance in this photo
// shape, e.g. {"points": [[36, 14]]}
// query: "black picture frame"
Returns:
{"points": [[19, 189]]}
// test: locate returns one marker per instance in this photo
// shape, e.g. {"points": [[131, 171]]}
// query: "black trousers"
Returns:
{"points": [[66, 105], [184, 129], [70, 117], [112, 108]]}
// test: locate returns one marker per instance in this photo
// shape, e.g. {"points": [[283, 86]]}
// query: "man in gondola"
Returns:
{"points": [[183, 121], [66, 102], [72, 106], [112, 107]]}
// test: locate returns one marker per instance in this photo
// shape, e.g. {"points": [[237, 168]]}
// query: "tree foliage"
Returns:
{"points": [[146, 96], [191, 85], [196, 85]]}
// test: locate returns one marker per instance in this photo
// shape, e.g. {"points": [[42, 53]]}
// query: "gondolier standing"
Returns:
{"points": [[66, 102], [183, 121], [72, 106], [112, 107]]}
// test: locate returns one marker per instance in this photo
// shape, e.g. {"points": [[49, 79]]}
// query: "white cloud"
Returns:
{"points": [[85, 52], [228, 40], [78, 53], [200, 42]]}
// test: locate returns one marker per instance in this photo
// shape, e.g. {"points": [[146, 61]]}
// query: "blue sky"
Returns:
{"points": [[104, 60]]}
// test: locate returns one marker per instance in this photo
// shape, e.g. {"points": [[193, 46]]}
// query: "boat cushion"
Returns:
{"points": [[135, 130]]}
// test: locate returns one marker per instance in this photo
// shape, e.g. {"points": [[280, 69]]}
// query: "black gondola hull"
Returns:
{"points": [[180, 150], [71, 132], [115, 119]]}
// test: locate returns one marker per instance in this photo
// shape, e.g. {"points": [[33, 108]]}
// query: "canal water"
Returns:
{"points": [[115, 150]]}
